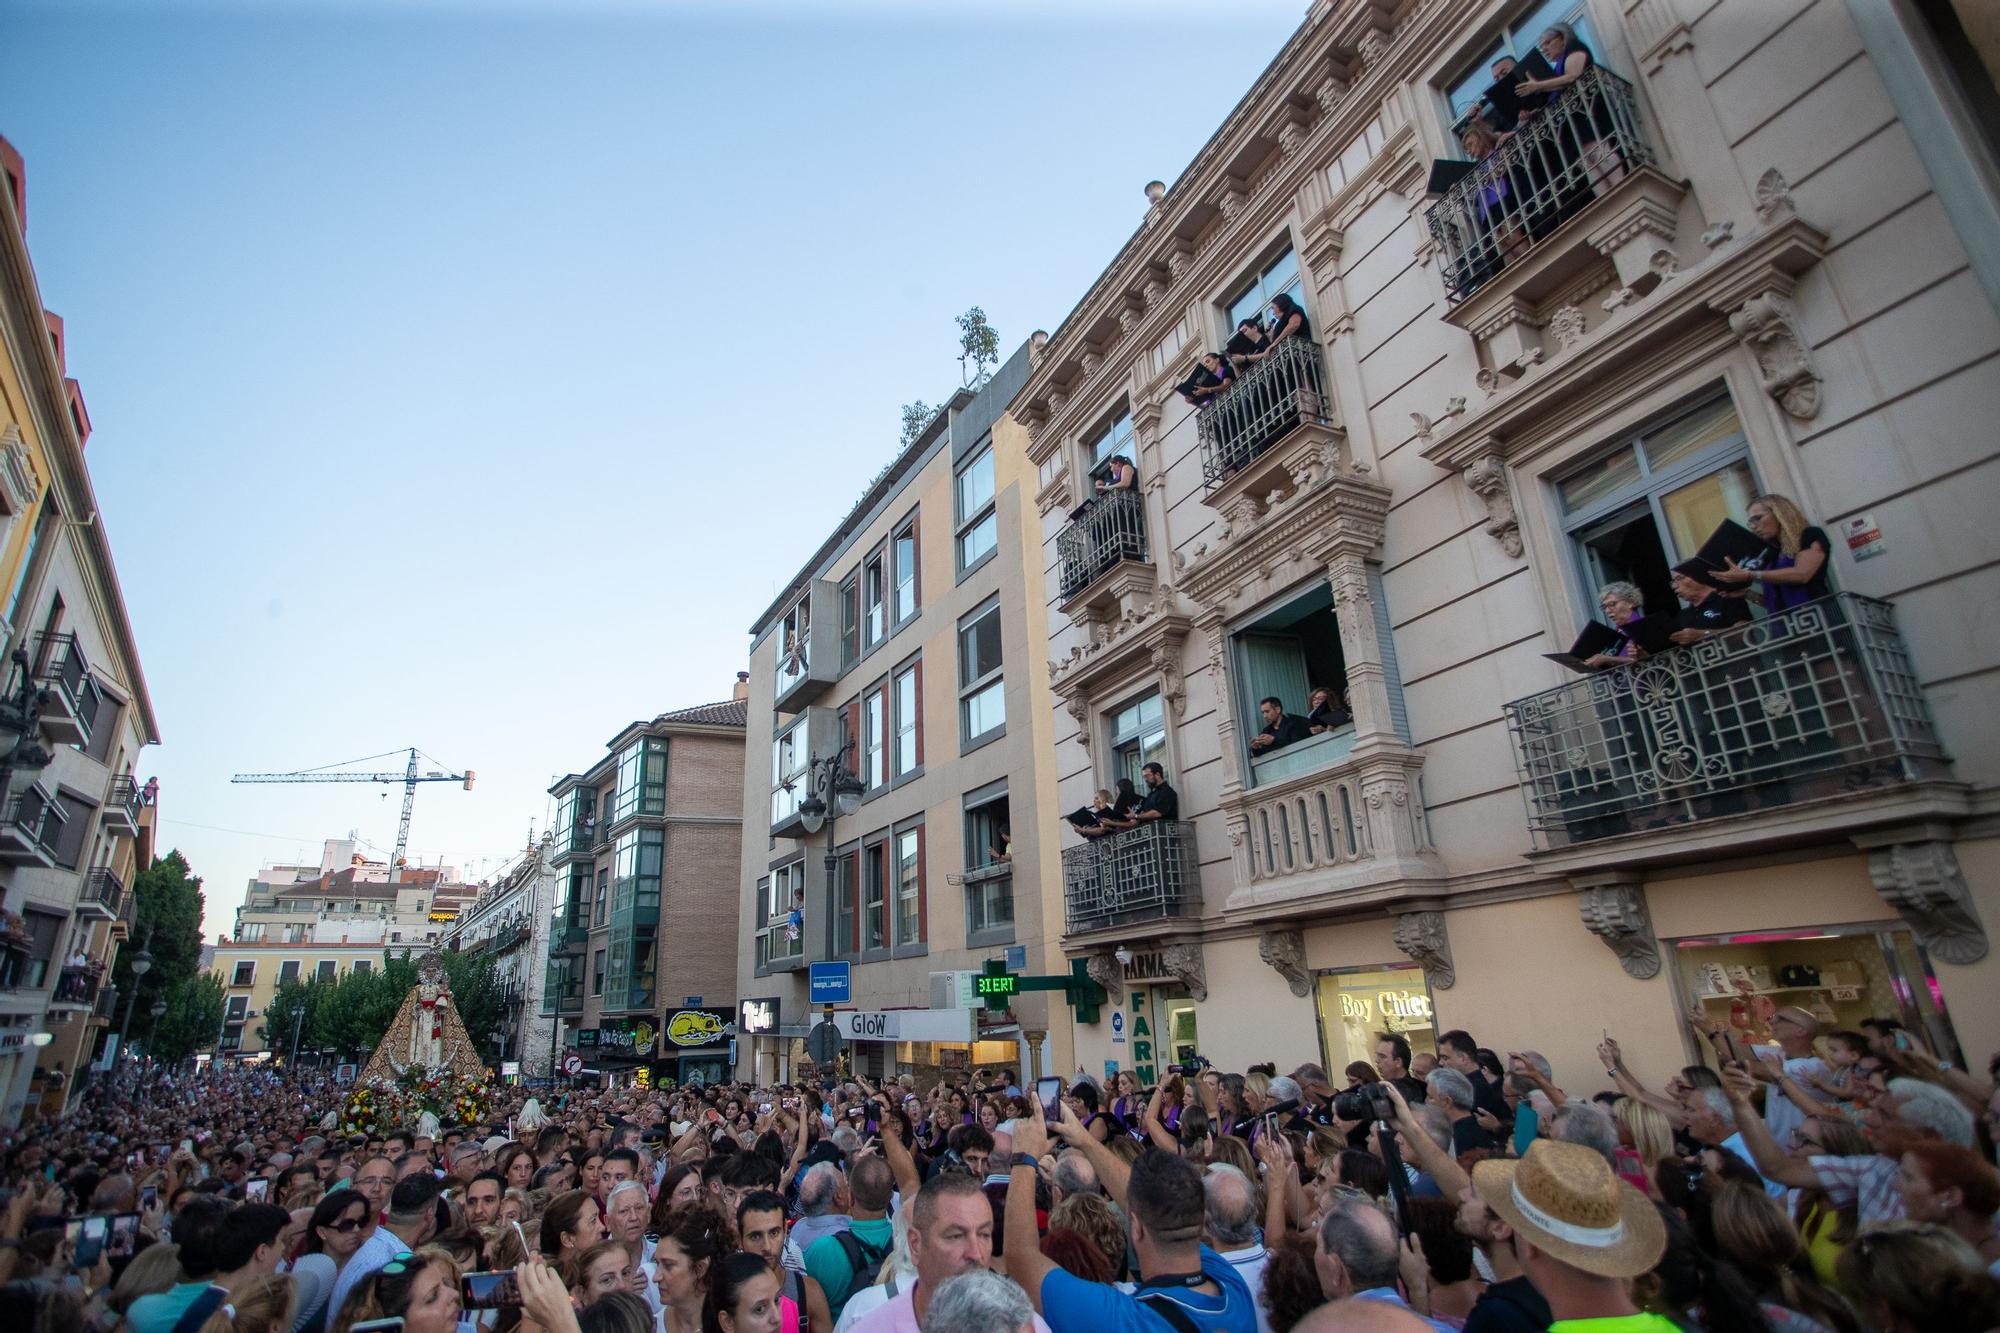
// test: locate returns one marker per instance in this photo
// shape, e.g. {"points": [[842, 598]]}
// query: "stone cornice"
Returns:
{"points": [[1297, 535], [1681, 322], [1125, 644]]}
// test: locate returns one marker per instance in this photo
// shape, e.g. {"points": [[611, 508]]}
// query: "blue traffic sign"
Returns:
{"points": [[829, 983], [1017, 958]]}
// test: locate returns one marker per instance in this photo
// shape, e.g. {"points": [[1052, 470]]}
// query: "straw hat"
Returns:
{"points": [[1565, 1199]]}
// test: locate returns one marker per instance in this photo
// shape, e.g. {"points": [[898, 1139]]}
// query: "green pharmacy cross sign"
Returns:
{"points": [[996, 987]]}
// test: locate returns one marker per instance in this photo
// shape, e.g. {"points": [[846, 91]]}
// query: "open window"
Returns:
{"points": [[1287, 654], [989, 870], [1138, 738]]}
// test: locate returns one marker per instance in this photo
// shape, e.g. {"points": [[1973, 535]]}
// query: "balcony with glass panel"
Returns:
{"points": [[70, 696], [1815, 706], [122, 804], [32, 829], [1146, 876], [809, 658], [103, 895]]}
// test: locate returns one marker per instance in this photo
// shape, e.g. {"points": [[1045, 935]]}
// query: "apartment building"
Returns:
{"points": [[252, 971], [345, 897], [1750, 251], [642, 945], [907, 656], [75, 826], [509, 920]]}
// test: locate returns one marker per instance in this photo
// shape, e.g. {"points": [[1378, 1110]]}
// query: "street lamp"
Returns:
{"points": [[833, 792], [153, 1032], [142, 963]]}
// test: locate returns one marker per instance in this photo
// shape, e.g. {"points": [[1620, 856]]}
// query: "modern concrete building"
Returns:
{"points": [[910, 652], [509, 920], [641, 969], [1754, 249], [75, 826]]}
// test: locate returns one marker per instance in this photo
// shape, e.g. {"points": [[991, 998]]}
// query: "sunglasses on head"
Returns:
{"points": [[402, 1263]]}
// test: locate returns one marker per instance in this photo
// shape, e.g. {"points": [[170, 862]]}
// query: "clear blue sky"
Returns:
{"points": [[469, 375]]}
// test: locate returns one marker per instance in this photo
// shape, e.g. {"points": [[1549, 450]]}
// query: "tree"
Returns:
{"points": [[476, 996], [978, 347], [168, 901], [294, 1009], [193, 1019], [917, 418]]}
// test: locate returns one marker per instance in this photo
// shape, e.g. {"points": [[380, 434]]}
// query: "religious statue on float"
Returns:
{"points": [[426, 1065]]}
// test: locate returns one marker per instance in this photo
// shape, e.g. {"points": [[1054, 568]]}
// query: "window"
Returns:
{"points": [[1648, 503], [789, 761], [982, 698], [794, 645], [597, 973], [239, 1009], [78, 822], [874, 592], [288, 971], [978, 525], [327, 970], [1279, 277], [989, 878], [1517, 41], [642, 780], [48, 516], [910, 886], [850, 621], [1138, 738], [874, 911], [875, 737], [363, 966], [603, 895], [1115, 438], [846, 922], [1287, 654], [909, 720], [777, 939], [246, 975], [903, 550]]}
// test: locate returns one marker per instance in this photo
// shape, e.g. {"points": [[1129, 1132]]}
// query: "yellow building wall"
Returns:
{"points": [[14, 412], [264, 984]]}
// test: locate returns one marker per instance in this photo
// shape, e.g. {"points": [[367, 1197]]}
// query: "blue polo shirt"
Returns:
{"points": [[1072, 1305]]}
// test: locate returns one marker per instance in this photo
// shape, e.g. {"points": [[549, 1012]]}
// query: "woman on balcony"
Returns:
{"points": [[1325, 712], [1210, 378], [1587, 163], [1288, 320], [1797, 574], [1119, 475], [1623, 604]]}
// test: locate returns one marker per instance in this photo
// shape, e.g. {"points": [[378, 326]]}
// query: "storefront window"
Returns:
{"points": [[1355, 1006], [1841, 975]]}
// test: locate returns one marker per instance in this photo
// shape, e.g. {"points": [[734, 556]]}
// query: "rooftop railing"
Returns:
{"points": [[1817, 702]]}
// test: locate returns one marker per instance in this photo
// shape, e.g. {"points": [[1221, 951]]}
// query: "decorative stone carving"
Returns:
{"points": [[1231, 203], [1373, 46], [1183, 963], [1330, 93], [1719, 235], [1079, 708], [1422, 936], [1923, 882], [1104, 970], [1616, 914], [1619, 299], [1173, 687], [1092, 359], [1285, 951], [1488, 479], [1774, 198], [1291, 137], [1488, 380], [1566, 327], [1423, 425], [1768, 326], [1664, 265]]}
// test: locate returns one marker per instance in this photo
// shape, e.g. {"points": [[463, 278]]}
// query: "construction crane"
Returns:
{"points": [[409, 777]]}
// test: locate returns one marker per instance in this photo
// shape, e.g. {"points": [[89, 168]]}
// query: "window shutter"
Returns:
{"points": [[918, 674], [853, 711], [854, 879], [917, 564]]}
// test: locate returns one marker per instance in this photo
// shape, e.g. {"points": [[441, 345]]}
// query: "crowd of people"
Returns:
{"points": [[1841, 1183]]}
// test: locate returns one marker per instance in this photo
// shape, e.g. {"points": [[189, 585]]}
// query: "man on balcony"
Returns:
{"points": [[1280, 728], [1161, 801]]}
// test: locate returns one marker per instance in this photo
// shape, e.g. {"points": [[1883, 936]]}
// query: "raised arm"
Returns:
{"points": [[1629, 1084], [1156, 1131], [1441, 1165], [901, 1164], [1766, 1153], [1026, 1263], [1112, 1172]]}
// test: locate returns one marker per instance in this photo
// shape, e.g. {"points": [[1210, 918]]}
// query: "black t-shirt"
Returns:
{"points": [[1488, 1096], [1808, 539], [1513, 1306], [1164, 799], [1285, 731], [1414, 1090], [1716, 613], [1467, 1135]]}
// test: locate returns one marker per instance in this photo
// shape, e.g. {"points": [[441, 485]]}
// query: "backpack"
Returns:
{"points": [[864, 1259]]}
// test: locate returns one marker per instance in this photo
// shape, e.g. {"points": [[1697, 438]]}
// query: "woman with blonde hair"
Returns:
{"points": [[153, 1269], [1647, 1133], [1751, 1228], [1797, 573], [1918, 1277]]}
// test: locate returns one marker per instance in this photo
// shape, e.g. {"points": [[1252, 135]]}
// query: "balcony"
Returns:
{"points": [[1242, 428], [805, 668], [582, 837], [1107, 538], [121, 807], [778, 952], [78, 985], [103, 895], [32, 829], [1818, 704], [71, 695], [106, 1008], [1142, 876], [1509, 217], [567, 939]]}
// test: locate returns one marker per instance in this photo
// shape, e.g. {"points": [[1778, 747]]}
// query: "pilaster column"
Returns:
{"points": [[1216, 636], [1361, 644], [1153, 484]]}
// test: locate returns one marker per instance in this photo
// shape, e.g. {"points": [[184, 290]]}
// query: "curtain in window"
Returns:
{"points": [[1272, 665]]}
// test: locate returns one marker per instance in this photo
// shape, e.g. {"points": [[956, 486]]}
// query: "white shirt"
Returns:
{"points": [[1249, 1265], [1780, 1114]]}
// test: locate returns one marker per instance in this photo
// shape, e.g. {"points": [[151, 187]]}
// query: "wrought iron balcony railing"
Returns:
{"points": [[78, 985], [1817, 702], [1539, 178], [32, 829], [104, 891], [1150, 873], [1112, 529], [1267, 402]]}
